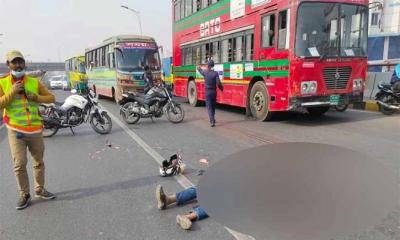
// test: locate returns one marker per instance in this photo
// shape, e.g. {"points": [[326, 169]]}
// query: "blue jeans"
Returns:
{"points": [[188, 195]]}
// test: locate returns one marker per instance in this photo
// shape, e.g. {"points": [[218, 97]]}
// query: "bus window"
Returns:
{"points": [[283, 38], [215, 51], [238, 48], [81, 67], [204, 53], [188, 7], [196, 55], [184, 56], [230, 50], [189, 57], [177, 11], [196, 5], [249, 46], [268, 31], [182, 9], [225, 50], [206, 3]]}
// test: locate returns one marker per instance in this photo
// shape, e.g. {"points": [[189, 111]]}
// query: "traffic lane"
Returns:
{"points": [[192, 138], [353, 129], [370, 133], [103, 193]]}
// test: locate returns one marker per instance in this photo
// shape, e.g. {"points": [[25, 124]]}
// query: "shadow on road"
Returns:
{"points": [[124, 185]]}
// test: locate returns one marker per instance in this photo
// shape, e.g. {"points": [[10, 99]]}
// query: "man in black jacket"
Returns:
{"points": [[211, 82]]}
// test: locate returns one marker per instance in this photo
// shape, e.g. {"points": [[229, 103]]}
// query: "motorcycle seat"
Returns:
{"points": [[139, 100], [385, 86]]}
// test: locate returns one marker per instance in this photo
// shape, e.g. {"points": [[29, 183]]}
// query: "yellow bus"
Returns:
{"points": [[76, 72]]}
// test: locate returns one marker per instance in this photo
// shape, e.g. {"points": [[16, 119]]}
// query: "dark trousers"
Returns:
{"points": [[211, 102]]}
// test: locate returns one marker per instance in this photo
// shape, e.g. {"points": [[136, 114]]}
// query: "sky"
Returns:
{"points": [[54, 30]]}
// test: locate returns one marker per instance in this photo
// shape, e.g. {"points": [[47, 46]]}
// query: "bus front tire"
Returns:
{"points": [[259, 100], [192, 94]]}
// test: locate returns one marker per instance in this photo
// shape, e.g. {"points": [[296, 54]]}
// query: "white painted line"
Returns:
{"points": [[2, 126], [181, 179]]}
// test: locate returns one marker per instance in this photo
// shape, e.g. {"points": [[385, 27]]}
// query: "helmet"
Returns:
{"points": [[173, 166], [397, 69]]}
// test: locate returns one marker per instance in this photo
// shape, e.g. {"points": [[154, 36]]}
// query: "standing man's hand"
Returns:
{"points": [[18, 87], [32, 97]]}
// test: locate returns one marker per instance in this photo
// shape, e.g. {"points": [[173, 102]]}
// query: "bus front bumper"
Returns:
{"points": [[296, 103]]}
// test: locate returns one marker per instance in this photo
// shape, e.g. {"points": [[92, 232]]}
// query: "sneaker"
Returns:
{"points": [[44, 194], [184, 222], [212, 124], [161, 198], [23, 201]]}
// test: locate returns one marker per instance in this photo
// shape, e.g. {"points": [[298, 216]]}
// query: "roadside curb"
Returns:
{"points": [[369, 105]]}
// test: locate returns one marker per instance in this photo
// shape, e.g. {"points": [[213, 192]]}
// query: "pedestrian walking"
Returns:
{"points": [[211, 83], [20, 96]]}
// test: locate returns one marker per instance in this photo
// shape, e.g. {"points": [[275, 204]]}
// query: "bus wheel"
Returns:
{"points": [[317, 111], [192, 94], [259, 102]]}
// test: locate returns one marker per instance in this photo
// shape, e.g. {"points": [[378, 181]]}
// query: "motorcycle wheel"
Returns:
{"points": [[101, 123], [128, 115], [48, 130], [386, 99], [341, 108], [175, 113]]}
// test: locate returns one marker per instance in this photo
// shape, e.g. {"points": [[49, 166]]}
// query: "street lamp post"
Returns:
{"points": [[137, 14]]}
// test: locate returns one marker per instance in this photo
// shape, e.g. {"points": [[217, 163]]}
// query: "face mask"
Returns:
{"points": [[18, 74]]}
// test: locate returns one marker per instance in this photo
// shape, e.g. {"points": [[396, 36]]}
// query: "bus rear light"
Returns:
{"points": [[309, 87]]}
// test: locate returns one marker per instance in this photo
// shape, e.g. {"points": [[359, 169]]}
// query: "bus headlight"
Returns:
{"points": [[309, 87], [357, 84]]}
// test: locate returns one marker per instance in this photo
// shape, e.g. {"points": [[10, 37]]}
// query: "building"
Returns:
{"points": [[384, 35]]}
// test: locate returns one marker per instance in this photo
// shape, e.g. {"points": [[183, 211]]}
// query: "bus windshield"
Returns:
{"points": [[331, 30], [136, 58], [81, 67]]}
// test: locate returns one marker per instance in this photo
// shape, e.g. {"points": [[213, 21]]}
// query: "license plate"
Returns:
{"points": [[334, 99]]}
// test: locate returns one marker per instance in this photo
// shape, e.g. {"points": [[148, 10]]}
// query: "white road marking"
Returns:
{"points": [[181, 179]]}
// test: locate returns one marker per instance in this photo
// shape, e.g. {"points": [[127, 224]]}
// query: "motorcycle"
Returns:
{"points": [[387, 99], [155, 103], [76, 109]]}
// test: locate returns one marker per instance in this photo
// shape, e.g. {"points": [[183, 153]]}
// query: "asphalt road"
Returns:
{"points": [[108, 193]]}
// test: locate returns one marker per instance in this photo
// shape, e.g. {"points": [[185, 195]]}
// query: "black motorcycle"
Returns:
{"points": [[387, 99], [76, 109], [153, 104]]}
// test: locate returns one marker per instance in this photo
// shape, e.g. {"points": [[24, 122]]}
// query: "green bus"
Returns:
{"points": [[116, 66]]}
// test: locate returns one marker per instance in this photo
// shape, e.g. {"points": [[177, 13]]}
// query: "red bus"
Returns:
{"points": [[273, 55]]}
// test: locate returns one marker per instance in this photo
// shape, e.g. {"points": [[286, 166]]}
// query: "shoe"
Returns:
{"points": [[213, 124], [161, 198], [23, 202], [44, 194], [184, 222]]}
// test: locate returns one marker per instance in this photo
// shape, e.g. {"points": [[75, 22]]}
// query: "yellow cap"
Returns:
{"points": [[11, 55]]}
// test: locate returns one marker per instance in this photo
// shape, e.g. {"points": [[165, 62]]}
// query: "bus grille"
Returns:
{"points": [[337, 78]]}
